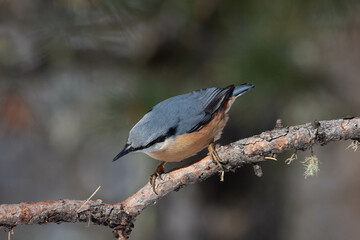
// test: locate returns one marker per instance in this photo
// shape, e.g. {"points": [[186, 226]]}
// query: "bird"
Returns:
{"points": [[181, 126]]}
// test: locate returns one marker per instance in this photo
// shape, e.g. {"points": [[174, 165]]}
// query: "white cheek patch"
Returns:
{"points": [[155, 147], [158, 146]]}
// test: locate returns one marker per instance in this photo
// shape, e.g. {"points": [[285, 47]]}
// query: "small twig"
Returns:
{"points": [[313, 135], [89, 221], [88, 199], [354, 145], [222, 174], [291, 158]]}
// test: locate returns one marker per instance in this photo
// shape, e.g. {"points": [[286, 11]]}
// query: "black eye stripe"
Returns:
{"points": [[171, 132]]}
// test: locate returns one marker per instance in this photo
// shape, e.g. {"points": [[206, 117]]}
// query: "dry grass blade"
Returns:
{"points": [[88, 199], [354, 145]]}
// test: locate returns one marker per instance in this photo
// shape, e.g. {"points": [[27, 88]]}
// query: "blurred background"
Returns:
{"points": [[76, 75]]}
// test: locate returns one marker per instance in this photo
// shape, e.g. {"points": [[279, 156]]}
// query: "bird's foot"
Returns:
{"points": [[214, 156], [157, 174]]}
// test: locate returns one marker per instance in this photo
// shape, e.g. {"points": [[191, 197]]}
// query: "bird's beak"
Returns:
{"points": [[125, 151]]}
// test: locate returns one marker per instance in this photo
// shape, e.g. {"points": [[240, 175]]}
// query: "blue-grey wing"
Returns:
{"points": [[211, 100], [178, 115]]}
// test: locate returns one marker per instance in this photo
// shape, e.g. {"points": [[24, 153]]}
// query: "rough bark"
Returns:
{"points": [[121, 216]]}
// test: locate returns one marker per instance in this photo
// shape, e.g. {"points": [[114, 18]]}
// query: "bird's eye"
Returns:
{"points": [[129, 147]]}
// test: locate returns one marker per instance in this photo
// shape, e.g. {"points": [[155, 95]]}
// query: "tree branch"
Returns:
{"points": [[120, 216]]}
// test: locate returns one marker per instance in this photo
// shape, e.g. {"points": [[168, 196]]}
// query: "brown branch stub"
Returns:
{"points": [[278, 124], [257, 170], [120, 216]]}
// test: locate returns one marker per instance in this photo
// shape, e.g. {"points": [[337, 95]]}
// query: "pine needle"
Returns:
{"points": [[11, 232], [88, 199], [271, 158]]}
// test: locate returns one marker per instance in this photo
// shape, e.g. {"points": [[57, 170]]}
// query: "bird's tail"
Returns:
{"points": [[241, 89]]}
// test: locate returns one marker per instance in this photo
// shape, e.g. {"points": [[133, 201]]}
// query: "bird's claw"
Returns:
{"points": [[214, 156], [157, 174]]}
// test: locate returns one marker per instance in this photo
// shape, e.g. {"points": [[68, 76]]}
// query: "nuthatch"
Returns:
{"points": [[181, 126]]}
